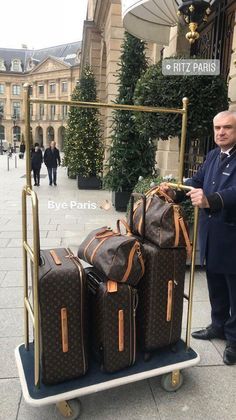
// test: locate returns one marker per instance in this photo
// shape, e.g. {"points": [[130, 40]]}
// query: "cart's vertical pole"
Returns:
{"points": [[27, 133], [191, 280], [183, 139], [24, 213], [195, 229], [25, 267], [36, 251]]}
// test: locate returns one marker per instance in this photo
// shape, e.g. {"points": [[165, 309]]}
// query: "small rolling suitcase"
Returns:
{"points": [[113, 324], [161, 294], [62, 303]]}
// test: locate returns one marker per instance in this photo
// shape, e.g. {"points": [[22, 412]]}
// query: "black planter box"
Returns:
{"points": [[120, 199], [89, 183]]}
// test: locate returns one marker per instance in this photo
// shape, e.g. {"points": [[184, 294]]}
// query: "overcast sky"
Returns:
{"points": [[42, 23]]}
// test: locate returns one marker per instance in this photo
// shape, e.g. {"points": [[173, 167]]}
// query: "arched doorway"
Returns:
{"points": [[16, 134], [61, 137], [50, 134], [16, 131], [39, 135]]}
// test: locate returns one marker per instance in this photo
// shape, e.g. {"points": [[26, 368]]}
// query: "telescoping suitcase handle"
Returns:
{"points": [[144, 199]]}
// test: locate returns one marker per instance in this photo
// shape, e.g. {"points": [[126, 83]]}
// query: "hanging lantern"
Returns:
{"points": [[194, 12]]}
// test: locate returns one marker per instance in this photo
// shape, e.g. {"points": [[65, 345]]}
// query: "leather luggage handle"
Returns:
{"points": [[55, 257], [125, 224], [144, 199], [156, 190]]}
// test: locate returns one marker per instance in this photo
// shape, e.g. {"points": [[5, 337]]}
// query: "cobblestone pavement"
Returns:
{"points": [[66, 216]]}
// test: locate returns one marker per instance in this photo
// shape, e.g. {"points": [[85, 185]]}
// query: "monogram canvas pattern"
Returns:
{"points": [[112, 257], [61, 287], [159, 223], [162, 265], [105, 327]]}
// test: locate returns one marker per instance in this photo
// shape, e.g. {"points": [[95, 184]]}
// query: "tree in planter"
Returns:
{"points": [[207, 96], [83, 150], [131, 154]]}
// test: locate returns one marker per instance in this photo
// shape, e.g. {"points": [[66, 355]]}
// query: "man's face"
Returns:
{"points": [[53, 144], [225, 131]]}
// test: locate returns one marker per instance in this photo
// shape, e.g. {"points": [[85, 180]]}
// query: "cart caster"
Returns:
{"points": [[146, 356], [69, 409], [172, 381]]}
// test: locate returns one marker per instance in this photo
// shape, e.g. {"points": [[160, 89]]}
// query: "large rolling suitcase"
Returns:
{"points": [[62, 303], [161, 294], [113, 322]]}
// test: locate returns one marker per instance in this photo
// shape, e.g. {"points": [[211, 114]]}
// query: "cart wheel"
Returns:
{"points": [[169, 385], [70, 410], [146, 356]]}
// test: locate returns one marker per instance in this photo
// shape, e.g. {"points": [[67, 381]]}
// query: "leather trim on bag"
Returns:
{"points": [[121, 330], [112, 286], [64, 330], [55, 257], [169, 300]]}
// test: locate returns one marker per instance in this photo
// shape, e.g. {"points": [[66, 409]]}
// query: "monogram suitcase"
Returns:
{"points": [[113, 324], [161, 294], [62, 303]]}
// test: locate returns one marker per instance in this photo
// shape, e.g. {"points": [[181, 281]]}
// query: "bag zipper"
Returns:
{"points": [[78, 264], [133, 307]]}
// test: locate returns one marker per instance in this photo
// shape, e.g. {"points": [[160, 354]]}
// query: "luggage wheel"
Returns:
{"points": [[172, 381], [146, 356], [69, 409]]}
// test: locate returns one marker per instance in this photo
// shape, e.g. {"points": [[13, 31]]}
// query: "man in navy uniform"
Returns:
{"points": [[214, 192]]}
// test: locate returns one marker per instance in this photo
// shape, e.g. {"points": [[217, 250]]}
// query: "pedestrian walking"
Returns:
{"points": [[36, 162], [52, 160], [22, 150], [214, 192]]}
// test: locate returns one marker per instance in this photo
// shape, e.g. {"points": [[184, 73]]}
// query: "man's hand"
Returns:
{"points": [[198, 198], [166, 189]]}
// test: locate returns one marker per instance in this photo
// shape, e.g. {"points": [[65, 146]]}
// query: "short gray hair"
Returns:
{"points": [[225, 114]]}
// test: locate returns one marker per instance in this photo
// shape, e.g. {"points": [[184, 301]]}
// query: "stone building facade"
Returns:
{"points": [[52, 74], [101, 44], [102, 39]]}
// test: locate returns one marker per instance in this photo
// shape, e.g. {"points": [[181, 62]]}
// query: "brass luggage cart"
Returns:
{"points": [[165, 363]]}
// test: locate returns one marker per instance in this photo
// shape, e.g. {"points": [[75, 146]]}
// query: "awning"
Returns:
{"points": [[150, 20]]}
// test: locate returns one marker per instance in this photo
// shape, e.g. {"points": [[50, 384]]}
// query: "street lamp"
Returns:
{"points": [[14, 119], [1, 145]]}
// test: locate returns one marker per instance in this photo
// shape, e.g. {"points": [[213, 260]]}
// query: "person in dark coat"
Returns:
{"points": [[22, 150], [214, 192], [36, 162], [52, 160]]}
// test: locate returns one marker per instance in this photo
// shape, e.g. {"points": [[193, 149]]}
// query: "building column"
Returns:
{"points": [[232, 73], [167, 156]]}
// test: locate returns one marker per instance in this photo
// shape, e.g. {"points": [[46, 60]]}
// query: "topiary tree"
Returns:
{"points": [[131, 154], [207, 96], [83, 150]]}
